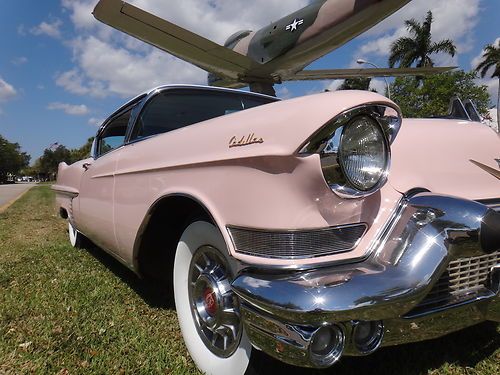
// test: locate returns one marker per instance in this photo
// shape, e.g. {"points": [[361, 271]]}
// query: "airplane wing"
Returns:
{"points": [[173, 39], [311, 75]]}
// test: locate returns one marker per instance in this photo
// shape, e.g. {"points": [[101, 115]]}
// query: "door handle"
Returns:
{"points": [[86, 166]]}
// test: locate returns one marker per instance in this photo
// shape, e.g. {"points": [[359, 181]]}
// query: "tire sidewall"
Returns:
{"points": [[73, 236], [196, 235]]}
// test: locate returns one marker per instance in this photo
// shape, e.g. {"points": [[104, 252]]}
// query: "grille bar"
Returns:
{"points": [[297, 244], [464, 279]]}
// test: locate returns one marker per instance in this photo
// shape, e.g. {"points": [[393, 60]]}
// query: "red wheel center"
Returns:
{"points": [[209, 301]]}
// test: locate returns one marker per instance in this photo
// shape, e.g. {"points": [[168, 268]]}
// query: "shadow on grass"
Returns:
{"points": [[465, 348], [155, 293]]}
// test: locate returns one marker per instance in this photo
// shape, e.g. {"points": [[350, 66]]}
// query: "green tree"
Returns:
{"points": [[12, 159], [360, 83], [418, 47], [432, 97], [491, 60], [82, 152], [46, 166], [48, 163]]}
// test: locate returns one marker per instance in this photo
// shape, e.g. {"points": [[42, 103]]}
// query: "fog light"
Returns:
{"points": [[327, 345], [367, 336]]}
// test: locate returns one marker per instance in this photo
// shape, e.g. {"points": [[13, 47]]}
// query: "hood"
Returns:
{"points": [[276, 129], [436, 154]]}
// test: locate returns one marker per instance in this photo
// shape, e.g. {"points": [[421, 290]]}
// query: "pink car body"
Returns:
{"points": [[248, 171]]}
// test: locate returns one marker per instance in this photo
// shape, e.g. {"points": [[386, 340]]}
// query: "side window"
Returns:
{"points": [[174, 110], [113, 135]]}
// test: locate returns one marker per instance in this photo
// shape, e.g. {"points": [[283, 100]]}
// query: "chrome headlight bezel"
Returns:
{"points": [[326, 142]]}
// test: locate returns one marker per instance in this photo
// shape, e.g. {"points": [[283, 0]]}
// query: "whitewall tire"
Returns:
{"points": [[207, 309], [76, 239]]}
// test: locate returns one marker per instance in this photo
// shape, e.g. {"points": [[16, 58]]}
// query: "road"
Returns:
{"points": [[8, 193]]}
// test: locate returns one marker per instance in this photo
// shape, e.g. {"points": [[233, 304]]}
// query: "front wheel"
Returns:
{"points": [[207, 308]]}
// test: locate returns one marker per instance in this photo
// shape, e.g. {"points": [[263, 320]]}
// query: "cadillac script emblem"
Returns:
{"points": [[250, 139]]}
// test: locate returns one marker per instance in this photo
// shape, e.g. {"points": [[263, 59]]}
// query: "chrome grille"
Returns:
{"points": [[296, 244], [464, 280]]}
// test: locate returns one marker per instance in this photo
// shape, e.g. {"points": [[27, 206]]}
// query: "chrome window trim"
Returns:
{"points": [[131, 105]]}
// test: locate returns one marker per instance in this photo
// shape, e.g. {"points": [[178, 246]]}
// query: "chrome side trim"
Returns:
{"points": [[296, 244]]}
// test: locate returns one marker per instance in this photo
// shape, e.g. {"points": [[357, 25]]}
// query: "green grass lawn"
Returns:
{"points": [[67, 311]]}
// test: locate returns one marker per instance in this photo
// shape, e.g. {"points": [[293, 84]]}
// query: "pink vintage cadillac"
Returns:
{"points": [[310, 229]]}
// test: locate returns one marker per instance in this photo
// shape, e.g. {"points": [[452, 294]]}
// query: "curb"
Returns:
{"points": [[10, 203]]}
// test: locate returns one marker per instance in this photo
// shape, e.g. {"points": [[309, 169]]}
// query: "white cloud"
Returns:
{"points": [[95, 121], [333, 85], [51, 29], [81, 12], [378, 85], [111, 63], [70, 109], [106, 69], [75, 82], [19, 60], [283, 92], [492, 85], [453, 19], [7, 91]]}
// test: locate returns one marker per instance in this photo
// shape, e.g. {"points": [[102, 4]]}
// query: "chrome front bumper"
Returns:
{"points": [[284, 312]]}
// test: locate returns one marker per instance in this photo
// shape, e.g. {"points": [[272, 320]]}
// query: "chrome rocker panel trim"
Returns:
{"points": [[282, 311]]}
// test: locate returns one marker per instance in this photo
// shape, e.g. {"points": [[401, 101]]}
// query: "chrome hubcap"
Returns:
{"points": [[213, 304]]}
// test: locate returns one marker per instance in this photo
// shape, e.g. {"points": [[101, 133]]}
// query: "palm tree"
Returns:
{"points": [[419, 46], [491, 59]]}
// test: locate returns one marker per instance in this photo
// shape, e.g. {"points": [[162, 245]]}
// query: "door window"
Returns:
{"points": [[113, 135], [174, 110]]}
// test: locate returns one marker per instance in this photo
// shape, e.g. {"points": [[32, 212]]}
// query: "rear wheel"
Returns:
{"points": [[207, 308], [76, 239]]}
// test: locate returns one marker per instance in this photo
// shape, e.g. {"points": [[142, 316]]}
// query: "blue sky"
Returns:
{"points": [[62, 72]]}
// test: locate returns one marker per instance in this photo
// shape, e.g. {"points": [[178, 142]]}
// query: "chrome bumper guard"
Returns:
{"points": [[312, 318]]}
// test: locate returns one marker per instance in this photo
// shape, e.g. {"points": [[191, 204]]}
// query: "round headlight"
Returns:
{"points": [[364, 153]]}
